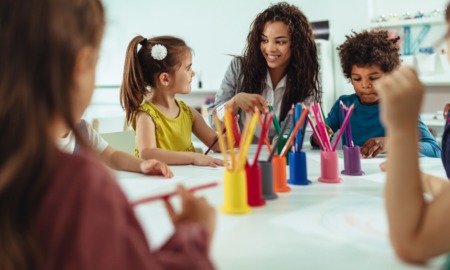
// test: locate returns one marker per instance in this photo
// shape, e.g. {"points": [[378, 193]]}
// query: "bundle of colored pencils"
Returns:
{"points": [[320, 134], [298, 125], [237, 161], [348, 128]]}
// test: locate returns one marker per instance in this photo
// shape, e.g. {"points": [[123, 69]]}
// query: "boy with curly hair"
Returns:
{"points": [[366, 57]]}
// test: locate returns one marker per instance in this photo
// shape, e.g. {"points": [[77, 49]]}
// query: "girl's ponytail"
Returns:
{"points": [[134, 86]]}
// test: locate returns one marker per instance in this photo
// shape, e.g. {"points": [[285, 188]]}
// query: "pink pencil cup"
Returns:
{"points": [[329, 167], [279, 174], [254, 185]]}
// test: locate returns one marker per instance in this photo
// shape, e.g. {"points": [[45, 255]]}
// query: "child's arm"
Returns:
{"points": [[418, 230], [122, 161], [434, 185], [146, 143], [431, 184], [428, 145], [204, 132]]}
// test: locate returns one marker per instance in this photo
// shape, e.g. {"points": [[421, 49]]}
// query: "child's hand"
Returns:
{"points": [[248, 102], [329, 132], [401, 96], [193, 209], [446, 109], [204, 160], [156, 167], [373, 147]]}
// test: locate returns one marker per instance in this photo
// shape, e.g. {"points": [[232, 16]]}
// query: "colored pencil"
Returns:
{"points": [[228, 119], [223, 147], [294, 132], [214, 143], [246, 140], [277, 144], [170, 194], [344, 124], [266, 139], [316, 134], [263, 135], [276, 123]]}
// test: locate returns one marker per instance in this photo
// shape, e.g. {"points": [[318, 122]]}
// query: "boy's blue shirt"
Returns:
{"points": [[366, 123]]}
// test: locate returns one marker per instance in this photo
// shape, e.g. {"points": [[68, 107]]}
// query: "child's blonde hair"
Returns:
{"points": [[142, 69]]}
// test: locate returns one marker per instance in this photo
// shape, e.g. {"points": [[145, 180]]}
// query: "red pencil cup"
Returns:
{"points": [[329, 167], [279, 174], [254, 186]]}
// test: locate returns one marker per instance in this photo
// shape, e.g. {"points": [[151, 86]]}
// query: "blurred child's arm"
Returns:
{"points": [[431, 184], [418, 230], [428, 145], [434, 185], [122, 161], [204, 132], [146, 144]]}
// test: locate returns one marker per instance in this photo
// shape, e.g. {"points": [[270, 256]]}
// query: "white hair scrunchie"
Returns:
{"points": [[159, 52]]}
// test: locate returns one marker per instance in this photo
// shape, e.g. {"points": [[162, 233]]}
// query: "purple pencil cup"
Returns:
{"points": [[352, 161]]}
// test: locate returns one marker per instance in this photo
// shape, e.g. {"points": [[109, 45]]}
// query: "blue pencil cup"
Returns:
{"points": [[297, 169]]}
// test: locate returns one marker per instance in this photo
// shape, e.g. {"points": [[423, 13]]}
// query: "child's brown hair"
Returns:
{"points": [[141, 69], [369, 48], [40, 43]]}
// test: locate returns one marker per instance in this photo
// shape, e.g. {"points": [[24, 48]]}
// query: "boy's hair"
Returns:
{"points": [[141, 70], [40, 43], [303, 68], [369, 48]]}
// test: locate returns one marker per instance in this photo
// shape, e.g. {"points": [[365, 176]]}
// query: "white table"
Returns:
{"points": [[320, 226]]}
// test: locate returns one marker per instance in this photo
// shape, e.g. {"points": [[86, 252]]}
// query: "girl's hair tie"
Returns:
{"points": [[159, 52], [143, 42]]}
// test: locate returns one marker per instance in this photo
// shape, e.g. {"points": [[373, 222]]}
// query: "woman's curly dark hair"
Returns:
{"points": [[369, 48], [303, 68]]}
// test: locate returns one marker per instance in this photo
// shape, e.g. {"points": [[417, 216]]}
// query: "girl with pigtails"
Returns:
{"points": [[155, 71]]}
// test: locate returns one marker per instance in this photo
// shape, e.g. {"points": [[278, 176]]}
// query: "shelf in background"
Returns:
{"points": [[436, 80], [411, 22]]}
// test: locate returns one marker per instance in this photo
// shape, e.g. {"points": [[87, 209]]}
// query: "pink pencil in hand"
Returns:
{"points": [[170, 194]]}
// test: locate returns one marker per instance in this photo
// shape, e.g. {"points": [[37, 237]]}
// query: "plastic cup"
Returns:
{"points": [[297, 169], [329, 167], [352, 161], [235, 193], [279, 174], [254, 186], [266, 170]]}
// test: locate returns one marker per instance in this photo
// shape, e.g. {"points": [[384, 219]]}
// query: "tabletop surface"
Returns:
{"points": [[337, 226]]}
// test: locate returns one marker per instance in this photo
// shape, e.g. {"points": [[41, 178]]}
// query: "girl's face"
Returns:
{"points": [[362, 80], [276, 45], [183, 76]]}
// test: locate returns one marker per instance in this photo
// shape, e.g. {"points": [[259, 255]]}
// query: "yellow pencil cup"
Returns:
{"points": [[235, 193]]}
